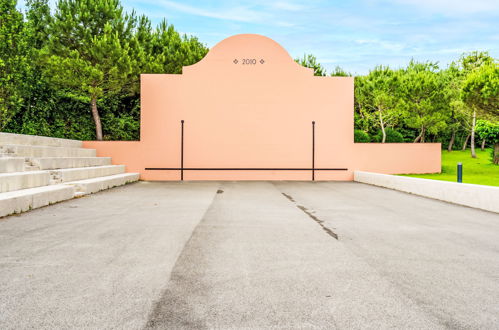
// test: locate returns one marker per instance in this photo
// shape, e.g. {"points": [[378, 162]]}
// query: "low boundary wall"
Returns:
{"points": [[472, 195]]}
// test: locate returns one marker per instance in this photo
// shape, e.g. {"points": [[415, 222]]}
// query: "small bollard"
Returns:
{"points": [[460, 172]]}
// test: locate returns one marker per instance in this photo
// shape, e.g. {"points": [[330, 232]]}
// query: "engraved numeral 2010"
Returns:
{"points": [[249, 61]]}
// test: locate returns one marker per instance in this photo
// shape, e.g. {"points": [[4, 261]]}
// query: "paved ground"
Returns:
{"points": [[250, 255]]}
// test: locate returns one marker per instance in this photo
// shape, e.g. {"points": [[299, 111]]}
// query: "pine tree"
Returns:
{"points": [[89, 52], [421, 93]]}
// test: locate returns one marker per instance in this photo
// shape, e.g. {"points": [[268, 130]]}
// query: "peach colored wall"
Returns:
{"points": [[255, 115]]}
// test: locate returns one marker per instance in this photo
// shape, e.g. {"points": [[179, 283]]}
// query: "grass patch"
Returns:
{"points": [[478, 170]]}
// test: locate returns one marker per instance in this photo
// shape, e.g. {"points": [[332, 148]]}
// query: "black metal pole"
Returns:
{"points": [[182, 151], [460, 172], [313, 150]]}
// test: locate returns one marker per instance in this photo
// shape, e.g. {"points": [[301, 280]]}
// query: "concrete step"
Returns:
{"points": [[23, 180], [44, 151], [27, 199], [90, 186], [32, 179], [52, 163], [74, 174], [10, 138], [11, 164]]}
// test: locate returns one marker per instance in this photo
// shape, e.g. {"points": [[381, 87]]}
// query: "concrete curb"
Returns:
{"points": [[472, 195]]}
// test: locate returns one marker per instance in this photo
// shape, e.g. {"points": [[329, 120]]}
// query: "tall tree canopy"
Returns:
{"points": [[89, 53], [470, 63], [379, 95], [95, 50], [481, 90], [421, 94], [14, 64]]}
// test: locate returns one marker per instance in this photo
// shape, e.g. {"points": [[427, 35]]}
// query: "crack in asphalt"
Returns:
{"points": [[313, 217]]}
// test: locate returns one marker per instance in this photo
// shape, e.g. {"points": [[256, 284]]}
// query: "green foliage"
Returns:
{"points": [[361, 136], [164, 50], [474, 60], [422, 98], [378, 97], [488, 130], [57, 116], [14, 65], [392, 136], [481, 89], [310, 61], [88, 50], [123, 127], [339, 72], [38, 18]]}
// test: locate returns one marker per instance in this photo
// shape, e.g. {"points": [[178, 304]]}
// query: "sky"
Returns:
{"points": [[355, 35]]}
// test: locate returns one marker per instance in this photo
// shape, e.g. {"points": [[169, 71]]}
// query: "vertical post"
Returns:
{"points": [[182, 150], [313, 150], [460, 172]]}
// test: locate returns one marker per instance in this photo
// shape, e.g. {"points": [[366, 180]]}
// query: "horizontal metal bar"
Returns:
{"points": [[239, 169]]}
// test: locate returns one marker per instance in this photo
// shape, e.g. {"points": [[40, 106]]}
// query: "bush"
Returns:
{"points": [[392, 136], [361, 136], [124, 127]]}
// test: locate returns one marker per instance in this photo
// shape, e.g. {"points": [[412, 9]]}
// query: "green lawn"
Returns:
{"points": [[478, 170]]}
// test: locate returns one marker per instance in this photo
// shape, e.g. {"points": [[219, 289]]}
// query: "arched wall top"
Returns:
{"points": [[246, 51]]}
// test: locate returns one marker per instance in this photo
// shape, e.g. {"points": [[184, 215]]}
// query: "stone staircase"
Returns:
{"points": [[36, 171]]}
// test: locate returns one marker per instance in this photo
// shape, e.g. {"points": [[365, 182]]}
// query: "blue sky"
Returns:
{"points": [[356, 35]]}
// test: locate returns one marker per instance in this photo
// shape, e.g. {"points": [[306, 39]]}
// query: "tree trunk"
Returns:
{"points": [[483, 145], [382, 124], [95, 114], [465, 142], [451, 142], [423, 134], [496, 153], [473, 124], [418, 138]]}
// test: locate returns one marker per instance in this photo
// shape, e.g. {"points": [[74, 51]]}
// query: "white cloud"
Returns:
{"points": [[239, 14], [453, 6], [243, 14], [285, 5], [284, 24], [387, 45]]}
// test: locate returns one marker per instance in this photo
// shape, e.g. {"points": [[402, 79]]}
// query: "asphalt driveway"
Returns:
{"points": [[228, 255]]}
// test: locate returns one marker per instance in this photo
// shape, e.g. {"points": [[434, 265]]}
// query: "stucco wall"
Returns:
{"points": [[255, 115]]}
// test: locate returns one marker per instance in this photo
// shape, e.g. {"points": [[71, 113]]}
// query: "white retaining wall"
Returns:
{"points": [[473, 195]]}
